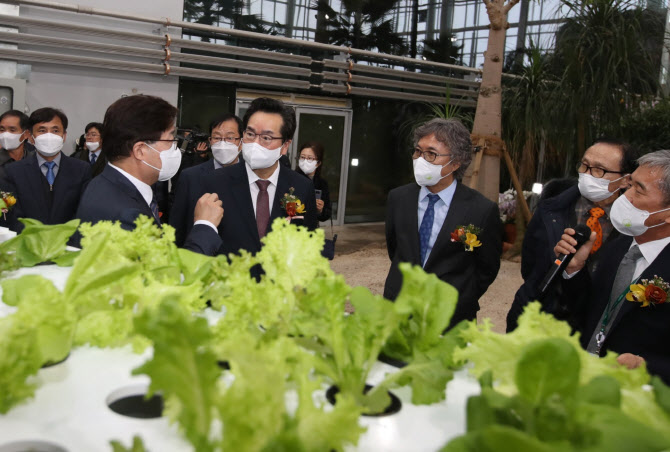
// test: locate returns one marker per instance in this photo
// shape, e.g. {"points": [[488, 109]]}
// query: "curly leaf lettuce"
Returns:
{"points": [[183, 367]]}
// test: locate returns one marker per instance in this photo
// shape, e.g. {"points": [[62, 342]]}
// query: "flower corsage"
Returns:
{"points": [[467, 235], [653, 291], [7, 201], [292, 205]]}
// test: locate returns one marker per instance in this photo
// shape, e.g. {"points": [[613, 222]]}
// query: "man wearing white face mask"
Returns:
{"points": [[225, 136], [618, 305], [14, 145], [47, 185], [251, 192], [421, 217], [141, 150], [603, 172]]}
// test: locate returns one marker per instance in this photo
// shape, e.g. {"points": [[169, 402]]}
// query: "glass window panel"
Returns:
{"points": [[459, 16]]}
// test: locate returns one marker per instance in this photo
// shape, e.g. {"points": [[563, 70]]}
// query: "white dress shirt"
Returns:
{"points": [[41, 161], [148, 194], [650, 252], [441, 208], [253, 188]]}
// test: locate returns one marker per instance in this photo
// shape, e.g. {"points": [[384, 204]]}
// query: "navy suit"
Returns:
{"points": [[189, 189], [34, 199], [470, 272], [637, 330], [111, 196], [238, 228]]}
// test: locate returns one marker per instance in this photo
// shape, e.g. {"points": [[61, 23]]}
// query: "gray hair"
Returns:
{"points": [[660, 160], [454, 136]]}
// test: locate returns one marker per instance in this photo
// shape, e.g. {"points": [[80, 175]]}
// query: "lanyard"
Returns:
{"points": [[600, 337]]}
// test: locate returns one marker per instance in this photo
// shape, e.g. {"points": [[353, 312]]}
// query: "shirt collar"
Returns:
{"points": [[253, 177], [96, 153], [41, 160], [144, 189], [651, 250], [446, 195]]}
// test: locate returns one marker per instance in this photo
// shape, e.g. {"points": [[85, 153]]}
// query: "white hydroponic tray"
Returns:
{"points": [[70, 406]]}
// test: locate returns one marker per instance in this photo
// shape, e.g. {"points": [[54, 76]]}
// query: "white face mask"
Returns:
{"points": [[170, 161], [48, 144], [595, 189], [10, 141], [307, 166], [427, 174], [225, 152], [258, 157], [628, 219], [92, 145]]}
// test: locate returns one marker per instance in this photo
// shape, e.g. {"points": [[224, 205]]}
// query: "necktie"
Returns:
{"points": [[154, 210], [93, 159], [427, 225], [594, 224], [262, 207], [51, 177], [623, 279]]}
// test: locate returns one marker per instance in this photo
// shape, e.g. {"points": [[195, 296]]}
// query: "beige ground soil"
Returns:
{"points": [[362, 258]]}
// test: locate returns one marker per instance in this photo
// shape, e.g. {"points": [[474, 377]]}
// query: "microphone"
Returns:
{"points": [[582, 234]]}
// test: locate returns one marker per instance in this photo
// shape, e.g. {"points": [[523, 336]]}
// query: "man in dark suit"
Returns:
{"points": [[252, 190], [601, 177], [225, 135], [140, 147], [421, 217], [14, 144], [47, 185], [611, 315]]}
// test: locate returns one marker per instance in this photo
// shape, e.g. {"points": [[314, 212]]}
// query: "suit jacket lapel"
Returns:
{"points": [[410, 213], [458, 210], [657, 267], [245, 207], [276, 210], [34, 178]]}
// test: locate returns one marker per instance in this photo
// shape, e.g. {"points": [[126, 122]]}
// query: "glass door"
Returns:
{"points": [[332, 129]]}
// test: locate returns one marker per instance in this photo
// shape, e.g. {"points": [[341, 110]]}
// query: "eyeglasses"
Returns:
{"points": [[428, 156], [595, 171], [250, 135], [92, 135], [309, 159], [231, 140]]}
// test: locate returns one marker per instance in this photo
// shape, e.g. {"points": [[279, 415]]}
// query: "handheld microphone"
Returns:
{"points": [[582, 234]]}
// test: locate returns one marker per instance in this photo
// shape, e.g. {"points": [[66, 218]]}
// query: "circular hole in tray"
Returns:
{"points": [[31, 446], [393, 407], [386, 359], [131, 401]]}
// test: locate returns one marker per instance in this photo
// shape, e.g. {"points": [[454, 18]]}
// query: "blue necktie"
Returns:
{"points": [[93, 159], [154, 209], [51, 177], [427, 225]]}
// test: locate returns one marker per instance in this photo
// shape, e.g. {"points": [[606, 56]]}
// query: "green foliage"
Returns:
{"points": [[137, 446], [37, 243], [551, 410], [499, 353], [648, 129], [182, 367]]}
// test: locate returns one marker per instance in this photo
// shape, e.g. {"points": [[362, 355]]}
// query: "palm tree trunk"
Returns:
{"points": [[487, 128]]}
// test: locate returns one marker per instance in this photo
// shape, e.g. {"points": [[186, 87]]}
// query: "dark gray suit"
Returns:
{"points": [[111, 196], [470, 272]]}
